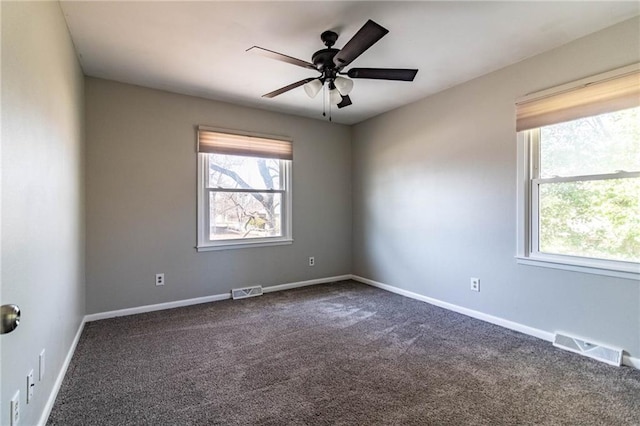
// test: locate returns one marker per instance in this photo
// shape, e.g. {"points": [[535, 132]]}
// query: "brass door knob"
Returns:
{"points": [[9, 318]]}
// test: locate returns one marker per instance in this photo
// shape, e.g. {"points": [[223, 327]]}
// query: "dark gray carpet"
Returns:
{"points": [[340, 354]]}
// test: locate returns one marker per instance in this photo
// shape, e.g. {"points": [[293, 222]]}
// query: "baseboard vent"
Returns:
{"points": [[243, 293], [612, 356]]}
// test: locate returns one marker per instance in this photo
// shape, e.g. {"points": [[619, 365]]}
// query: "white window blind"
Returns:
{"points": [[588, 99], [217, 142]]}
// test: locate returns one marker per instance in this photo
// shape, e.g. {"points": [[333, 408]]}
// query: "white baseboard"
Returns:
{"points": [[156, 307], [631, 361], [58, 383], [281, 287], [535, 332], [205, 299], [541, 334]]}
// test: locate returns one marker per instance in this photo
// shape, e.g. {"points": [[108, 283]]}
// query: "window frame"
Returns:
{"points": [[204, 242], [528, 182], [528, 215]]}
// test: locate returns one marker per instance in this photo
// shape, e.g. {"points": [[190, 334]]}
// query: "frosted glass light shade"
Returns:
{"points": [[334, 96], [312, 88], [344, 85]]}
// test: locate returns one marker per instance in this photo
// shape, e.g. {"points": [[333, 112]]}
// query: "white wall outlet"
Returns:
{"points": [[475, 284], [312, 261], [30, 385], [159, 279], [15, 409], [41, 366]]}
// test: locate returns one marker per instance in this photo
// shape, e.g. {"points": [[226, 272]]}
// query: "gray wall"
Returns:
{"points": [[141, 199], [42, 197], [434, 204]]}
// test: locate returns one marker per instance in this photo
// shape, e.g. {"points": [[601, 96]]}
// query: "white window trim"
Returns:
{"points": [[527, 253], [205, 244]]}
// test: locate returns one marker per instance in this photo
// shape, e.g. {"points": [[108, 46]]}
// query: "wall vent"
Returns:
{"points": [[243, 293], [612, 356]]}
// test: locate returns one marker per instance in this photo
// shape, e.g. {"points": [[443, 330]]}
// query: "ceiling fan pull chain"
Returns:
{"points": [[324, 101], [329, 110]]}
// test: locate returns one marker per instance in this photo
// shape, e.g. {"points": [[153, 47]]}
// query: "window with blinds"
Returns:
{"points": [[581, 172], [244, 196]]}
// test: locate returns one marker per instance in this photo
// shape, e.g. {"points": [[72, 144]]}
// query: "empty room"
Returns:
{"points": [[320, 212]]}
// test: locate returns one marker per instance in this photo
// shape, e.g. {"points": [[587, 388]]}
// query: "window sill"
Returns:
{"points": [[245, 244], [631, 272]]}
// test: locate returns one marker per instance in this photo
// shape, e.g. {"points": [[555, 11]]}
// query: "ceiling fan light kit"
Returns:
{"points": [[330, 63], [313, 87], [334, 96], [344, 85]]}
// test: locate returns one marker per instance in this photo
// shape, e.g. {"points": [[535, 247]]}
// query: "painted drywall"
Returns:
{"points": [[42, 197], [434, 203], [141, 199]]}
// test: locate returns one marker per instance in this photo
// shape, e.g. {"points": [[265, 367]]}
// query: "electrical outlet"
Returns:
{"points": [[30, 385], [312, 261], [159, 279], [475, 284], [41, 366], [15, 409]]}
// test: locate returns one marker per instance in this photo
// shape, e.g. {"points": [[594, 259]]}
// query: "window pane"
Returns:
{"points": [[594, 145], [232, 171], [597, 219], [241, 215]]}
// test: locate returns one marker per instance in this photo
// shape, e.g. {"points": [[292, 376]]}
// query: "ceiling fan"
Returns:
{"points": [[330, 62]]}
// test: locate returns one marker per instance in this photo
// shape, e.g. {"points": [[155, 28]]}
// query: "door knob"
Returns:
{"points": [[9, 318]]}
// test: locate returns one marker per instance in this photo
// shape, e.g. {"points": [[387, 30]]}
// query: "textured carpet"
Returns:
{"points": [[340, 354]]}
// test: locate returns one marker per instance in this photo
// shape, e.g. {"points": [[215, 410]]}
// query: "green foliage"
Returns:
{"points": [[594, 219], [591, 218]]}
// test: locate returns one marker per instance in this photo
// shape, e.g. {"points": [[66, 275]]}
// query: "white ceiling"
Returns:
{"points": [[198, 48]]}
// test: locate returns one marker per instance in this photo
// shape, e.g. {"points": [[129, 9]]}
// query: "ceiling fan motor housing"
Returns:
{"points": [[323, 59]]}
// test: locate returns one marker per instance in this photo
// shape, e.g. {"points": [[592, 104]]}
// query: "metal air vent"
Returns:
{"points": [[243, 293]]}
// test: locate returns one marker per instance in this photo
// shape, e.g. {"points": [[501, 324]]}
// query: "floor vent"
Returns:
{"points": [[606, 354], [243, 293]]}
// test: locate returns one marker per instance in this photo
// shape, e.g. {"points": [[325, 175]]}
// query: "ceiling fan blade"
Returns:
{"points": [[280, 57], [366, 37], [287, 88], [383, 73], [346, 101]]}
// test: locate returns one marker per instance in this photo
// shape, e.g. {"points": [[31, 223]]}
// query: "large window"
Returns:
{"points": [[580, 175], [244, 196]]}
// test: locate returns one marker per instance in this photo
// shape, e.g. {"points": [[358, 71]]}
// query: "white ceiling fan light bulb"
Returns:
{"points": [[344, 85], [334, 96], [313, 87]]}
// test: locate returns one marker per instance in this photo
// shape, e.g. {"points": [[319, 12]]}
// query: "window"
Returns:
{"points": [[244, 190], [579, 176]]}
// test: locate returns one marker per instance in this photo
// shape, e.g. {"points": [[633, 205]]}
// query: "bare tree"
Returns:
{"points": [[269, 171]]}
